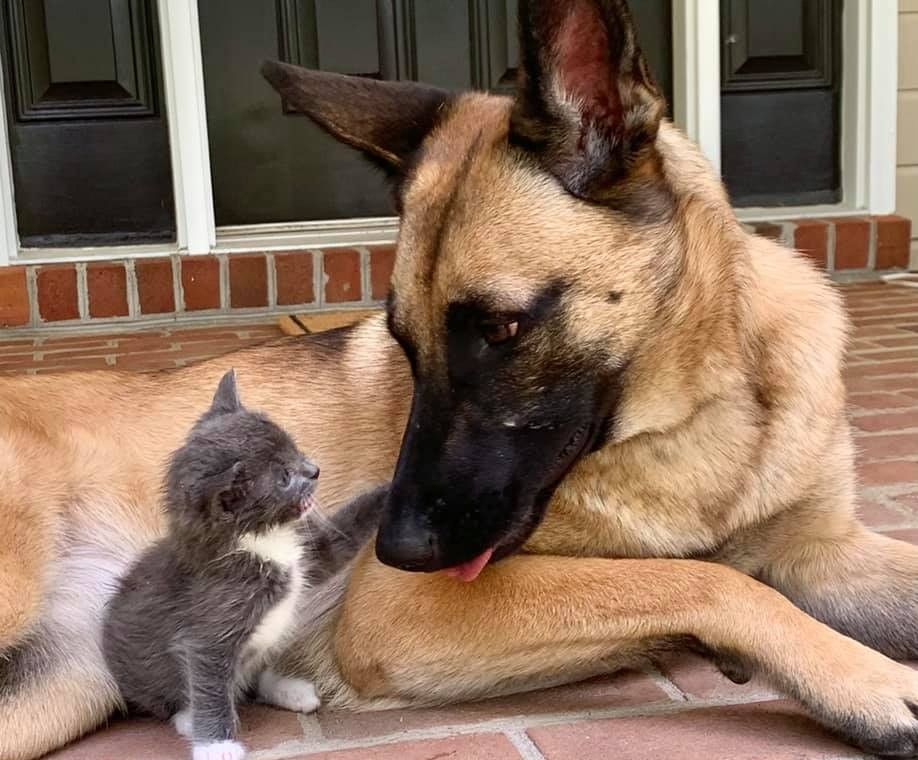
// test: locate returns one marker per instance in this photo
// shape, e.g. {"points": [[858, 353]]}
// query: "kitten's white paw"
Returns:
{"points": [[225, 750], [182, 722], [295, 694]]}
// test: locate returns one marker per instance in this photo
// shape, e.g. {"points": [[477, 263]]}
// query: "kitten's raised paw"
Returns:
{"points": [[225, 750], [182, 722], [294, 694]]}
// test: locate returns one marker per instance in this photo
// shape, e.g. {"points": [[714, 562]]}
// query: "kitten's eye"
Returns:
{"points": [[498, 330], [284, 478]]}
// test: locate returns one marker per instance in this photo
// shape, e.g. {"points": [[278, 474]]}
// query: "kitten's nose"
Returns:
{"points": [[310, 471]]}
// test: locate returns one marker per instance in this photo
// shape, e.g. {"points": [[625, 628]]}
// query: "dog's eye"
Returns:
{"points": [[496, 331]]}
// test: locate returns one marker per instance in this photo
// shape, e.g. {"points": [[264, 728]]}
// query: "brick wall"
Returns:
{"points": [[846, 246], [181, 287], [216, 287]]}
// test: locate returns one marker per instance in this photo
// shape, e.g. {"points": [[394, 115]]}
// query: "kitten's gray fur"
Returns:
{"points": [[176, 630]]}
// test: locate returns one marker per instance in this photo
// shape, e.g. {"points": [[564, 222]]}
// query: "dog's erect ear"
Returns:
{"points": [[226, 399], [586, 104], [387, 121]]}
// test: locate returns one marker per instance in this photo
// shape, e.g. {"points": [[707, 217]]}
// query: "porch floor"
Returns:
{"points": [[683, 708]]}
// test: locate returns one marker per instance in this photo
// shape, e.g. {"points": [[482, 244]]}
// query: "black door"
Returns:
{"points": [[271, 166], [86, 120], [780, 84]]}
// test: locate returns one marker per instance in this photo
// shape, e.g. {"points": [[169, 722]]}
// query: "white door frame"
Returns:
{"points": [[868, 134]]}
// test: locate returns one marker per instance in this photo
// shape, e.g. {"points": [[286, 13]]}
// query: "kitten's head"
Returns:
{"points": [[238, 470]]}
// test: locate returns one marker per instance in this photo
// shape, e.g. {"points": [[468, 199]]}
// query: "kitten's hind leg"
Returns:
{"points": [[294, 694]]}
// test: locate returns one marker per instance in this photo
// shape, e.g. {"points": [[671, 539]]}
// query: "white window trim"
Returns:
{"points": [[870, 31], [183, 79], [9, 237]]}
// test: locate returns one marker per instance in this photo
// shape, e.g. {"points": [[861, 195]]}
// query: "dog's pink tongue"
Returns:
{"points": [[469, 571]]}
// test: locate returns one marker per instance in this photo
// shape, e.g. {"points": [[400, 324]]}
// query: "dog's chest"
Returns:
{"points": [[283, 548]]}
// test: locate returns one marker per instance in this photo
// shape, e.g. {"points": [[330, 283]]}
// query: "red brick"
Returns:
{"points": [[472, 747], [910, 535], [14, 297], [57, 293], [888, 473], [620, 690], [874, 514], [879, 400], [811, 238], [107, 286], [852, 243], [699, 679], [248, 281], [878, 447], [154, 286], [71, 364], [773, 730], [769, 230], [878, 369], [887, 355], [875, 331], [200, 282], [342, 273], [893, 236], [902, 383], [898, 342], [907, 501], [134, 739], [56, 342], [263, 727], [905, 319], [294, 274], [382, 259], [875, 423]]}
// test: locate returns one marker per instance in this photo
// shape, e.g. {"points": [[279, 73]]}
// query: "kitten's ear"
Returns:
{"points": [[226, 399]]}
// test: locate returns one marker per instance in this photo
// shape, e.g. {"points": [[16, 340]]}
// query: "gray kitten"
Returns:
{"points": [[193, 625]]}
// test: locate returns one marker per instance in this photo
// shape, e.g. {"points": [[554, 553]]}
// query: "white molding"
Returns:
{"points": [[95, 253], [785, 213], [9, 234], [324, 234], [878, 105], [186, 113], [696, 74]]}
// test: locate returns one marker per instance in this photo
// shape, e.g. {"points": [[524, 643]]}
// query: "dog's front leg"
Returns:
{"points": [[538, 620], [861, 583]]}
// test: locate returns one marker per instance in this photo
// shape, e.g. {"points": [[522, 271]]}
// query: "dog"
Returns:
{"points": [[627, 426]]}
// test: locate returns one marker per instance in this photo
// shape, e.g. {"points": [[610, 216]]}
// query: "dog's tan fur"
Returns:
{"points": [[731, 444]]}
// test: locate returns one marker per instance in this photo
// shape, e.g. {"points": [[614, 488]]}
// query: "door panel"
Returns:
{"points": [[780, 101], [270, 165], [88, 140]]}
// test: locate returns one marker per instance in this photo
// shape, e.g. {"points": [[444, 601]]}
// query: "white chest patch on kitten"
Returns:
{"points": [[281, 546]]}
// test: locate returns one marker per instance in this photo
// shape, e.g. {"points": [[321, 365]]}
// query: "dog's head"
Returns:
{"points": [[535, 255]]}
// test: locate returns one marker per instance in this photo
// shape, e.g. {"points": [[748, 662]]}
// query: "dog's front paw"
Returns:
{"points": [[295, 694], [876, 706], [225, 750]]}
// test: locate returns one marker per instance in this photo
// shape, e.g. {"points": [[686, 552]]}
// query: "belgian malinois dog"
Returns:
{"points": [[603, 401]]}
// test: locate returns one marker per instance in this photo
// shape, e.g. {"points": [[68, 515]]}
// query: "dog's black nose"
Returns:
{"points": [[407, 544]]}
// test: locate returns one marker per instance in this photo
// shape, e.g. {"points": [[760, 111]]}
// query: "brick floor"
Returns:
{"points": [[682, 708]]}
